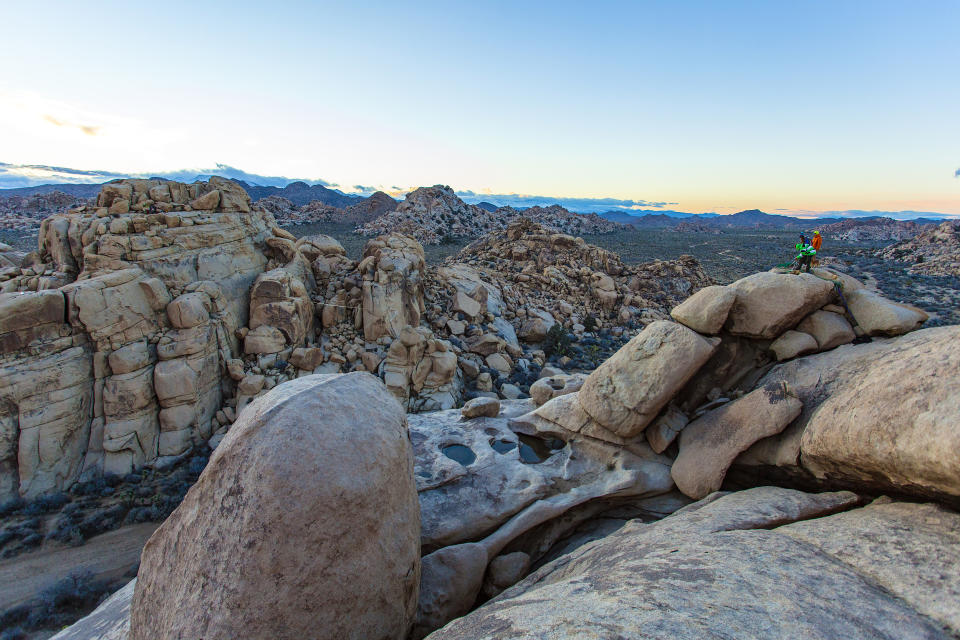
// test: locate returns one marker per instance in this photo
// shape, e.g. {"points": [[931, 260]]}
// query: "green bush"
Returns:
{"points": [[558, 341]]}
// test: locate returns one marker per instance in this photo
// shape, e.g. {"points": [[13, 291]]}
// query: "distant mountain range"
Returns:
{"points": [[301, 193], [749, 219]]}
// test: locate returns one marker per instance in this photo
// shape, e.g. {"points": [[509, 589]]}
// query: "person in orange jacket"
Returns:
{"points": [[817, 240]]}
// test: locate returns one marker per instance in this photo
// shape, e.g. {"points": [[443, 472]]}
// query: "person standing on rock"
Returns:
{"points": [[817, 240], [805, 254]]}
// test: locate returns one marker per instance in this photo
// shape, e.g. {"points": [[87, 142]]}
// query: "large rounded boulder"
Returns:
{"points": [[304, 524]]}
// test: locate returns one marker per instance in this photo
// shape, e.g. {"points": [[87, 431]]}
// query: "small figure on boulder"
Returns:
{"points": [[805, 255]]}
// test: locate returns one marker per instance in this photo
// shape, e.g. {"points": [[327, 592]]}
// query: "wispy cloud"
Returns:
{"points": [[89, 129], [31, 175]]}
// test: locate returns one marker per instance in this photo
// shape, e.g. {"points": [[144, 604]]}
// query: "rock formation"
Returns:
{"points": [[566, 492], [873, 230], [146, 322], [431, 214], [752, 564], [287, 213], [935, 251], [122, 344], [24, 213]]}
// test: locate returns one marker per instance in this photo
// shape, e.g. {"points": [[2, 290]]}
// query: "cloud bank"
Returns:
{"points": [[32, 175]]}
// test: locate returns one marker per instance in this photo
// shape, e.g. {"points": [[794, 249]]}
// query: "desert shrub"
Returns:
{"points": [[11, 506], [589, 322], [558, 341], [61, 603], [46, 504]]}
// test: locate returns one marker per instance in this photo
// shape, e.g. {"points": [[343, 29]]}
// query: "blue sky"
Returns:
{"points": [[714, 106]]}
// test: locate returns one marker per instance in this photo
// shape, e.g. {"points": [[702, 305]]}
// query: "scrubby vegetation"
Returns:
{"points": [[97, 506], [58, 605]]}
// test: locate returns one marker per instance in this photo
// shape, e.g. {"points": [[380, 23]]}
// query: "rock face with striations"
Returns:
{"points": [[112, 357], [333, 528]]}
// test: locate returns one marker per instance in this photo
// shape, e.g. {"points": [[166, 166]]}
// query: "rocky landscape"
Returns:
{"points": [[874, 229], [532, 439], [24, 213], [435, 214], [936, 251]]}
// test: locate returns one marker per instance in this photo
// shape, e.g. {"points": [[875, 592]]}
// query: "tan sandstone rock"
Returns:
{"points": [[481, 407], [880, 416], [344, 560], [828, 329], [626, 392], [878, 316], [768, 304], [709, 444], [792, 344], [706, 310]]}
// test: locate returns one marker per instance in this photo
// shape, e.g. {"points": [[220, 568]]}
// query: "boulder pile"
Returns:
{"points": [[285, 212], [146, 321], [934, 251], [433, 214]]}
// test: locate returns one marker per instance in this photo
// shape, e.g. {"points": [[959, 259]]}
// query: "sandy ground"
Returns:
{"points": [[109, 556]]}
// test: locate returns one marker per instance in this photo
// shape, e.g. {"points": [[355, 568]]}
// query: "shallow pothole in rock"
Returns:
{"points": [[535, 450], [459, 453], [503, 446]]}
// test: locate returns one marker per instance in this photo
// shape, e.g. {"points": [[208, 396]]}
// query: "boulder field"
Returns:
{"points": [[146, 321], [708, 480]]}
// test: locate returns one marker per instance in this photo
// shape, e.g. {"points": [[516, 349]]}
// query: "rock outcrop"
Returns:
{"points": [[431, 214], [757, 562], [327, 514], [934, 251], [879, 416]]}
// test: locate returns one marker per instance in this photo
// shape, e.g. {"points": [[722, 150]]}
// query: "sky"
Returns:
{"points": [[799, 108]]}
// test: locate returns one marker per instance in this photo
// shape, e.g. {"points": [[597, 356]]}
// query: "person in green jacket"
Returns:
{"points": [[805, 254]]}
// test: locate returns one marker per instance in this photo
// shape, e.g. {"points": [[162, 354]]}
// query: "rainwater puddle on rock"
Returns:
{"points": [[460, 453], [535, 450], [503, 446]]}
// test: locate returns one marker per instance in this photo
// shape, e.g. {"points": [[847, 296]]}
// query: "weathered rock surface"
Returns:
{"points": [[827, 328], [481, 408], [792, 344], [430, 214], [879, 416], [627, 391], [690, 575], [345, 559], [878, 316], [767, 304], [546, 389], [709, 444], [934, 251], [706, 310]]}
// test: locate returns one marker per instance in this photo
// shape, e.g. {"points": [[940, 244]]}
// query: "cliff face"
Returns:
{"points": [[111, 340]]}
